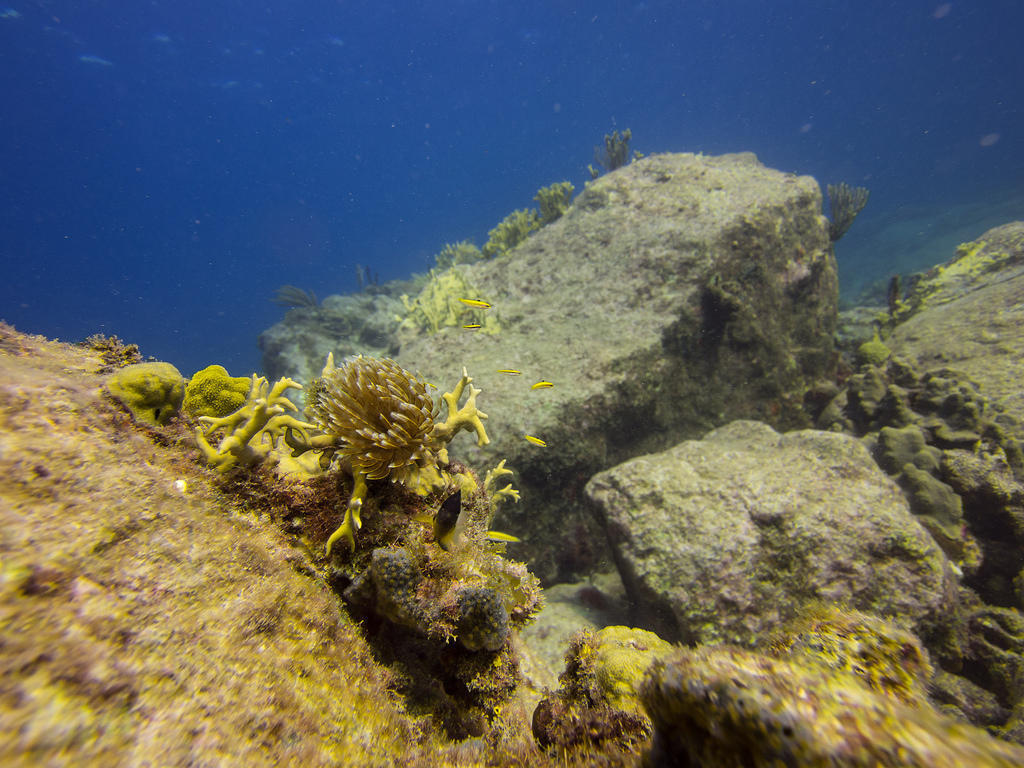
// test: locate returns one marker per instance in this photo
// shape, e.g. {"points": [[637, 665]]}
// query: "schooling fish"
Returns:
{"points": [[543, 385], [477, 303]]}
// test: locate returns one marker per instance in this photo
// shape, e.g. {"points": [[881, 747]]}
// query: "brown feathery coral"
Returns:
{"points": [[380, 420], [380, 414]]}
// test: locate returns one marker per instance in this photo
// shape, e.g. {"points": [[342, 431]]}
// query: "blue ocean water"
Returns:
{"points": [[167, 165]]}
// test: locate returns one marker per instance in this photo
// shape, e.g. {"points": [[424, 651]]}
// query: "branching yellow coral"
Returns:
{"points": [[252, 430], [490, 485]]}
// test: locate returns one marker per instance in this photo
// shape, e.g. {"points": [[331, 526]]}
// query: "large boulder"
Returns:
{"points": [[724, 538], [967, 314], [677, 293]]}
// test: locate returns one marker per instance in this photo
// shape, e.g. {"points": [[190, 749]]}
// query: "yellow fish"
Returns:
{"points": [[535, 441], [476, 303], [472, 326], [543, 385], [510, 371], [499, 536]]}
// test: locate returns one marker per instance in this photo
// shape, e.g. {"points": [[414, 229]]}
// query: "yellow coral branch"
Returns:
{"points": [[352, 522], [263, 415], [468, 417]]}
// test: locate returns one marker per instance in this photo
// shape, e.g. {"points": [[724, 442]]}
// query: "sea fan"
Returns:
{"points": [[381, 415]]}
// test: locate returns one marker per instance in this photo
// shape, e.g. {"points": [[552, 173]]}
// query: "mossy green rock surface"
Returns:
{"points": [[730, 707], [623, 656]]}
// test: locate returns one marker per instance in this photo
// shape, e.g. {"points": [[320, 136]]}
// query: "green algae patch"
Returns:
{"points": [[729, 706], [873, 351], [971, 267], [622, 658]]}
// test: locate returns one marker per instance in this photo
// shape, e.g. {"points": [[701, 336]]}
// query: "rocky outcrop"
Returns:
{"points": [[724, 538], [676, 294], [967, 315], [357, 324], [955, 456], [728, 706]]}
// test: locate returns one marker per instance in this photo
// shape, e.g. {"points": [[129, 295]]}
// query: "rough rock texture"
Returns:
{"points": [[968, 314], [677, 293], [721, 539], [725, 706], [957, 459], [568, 608], [358, 324], [147, 620]]}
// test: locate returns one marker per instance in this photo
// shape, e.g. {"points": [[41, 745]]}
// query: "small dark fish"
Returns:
{"points": [[446, 518]]}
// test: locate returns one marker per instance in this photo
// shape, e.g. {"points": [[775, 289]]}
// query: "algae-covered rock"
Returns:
{"points": [[899, 446], [622, 657], [958, 458], [879, 653], [727, 537], [676, 293], [873, 351], [598, 702], [966, 314], [148, 618], [940, 509], [153, 392], [725, 706]]}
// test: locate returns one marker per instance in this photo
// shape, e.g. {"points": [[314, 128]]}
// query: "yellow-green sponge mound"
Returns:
{"points": [[212, 392], [151, 391]]}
